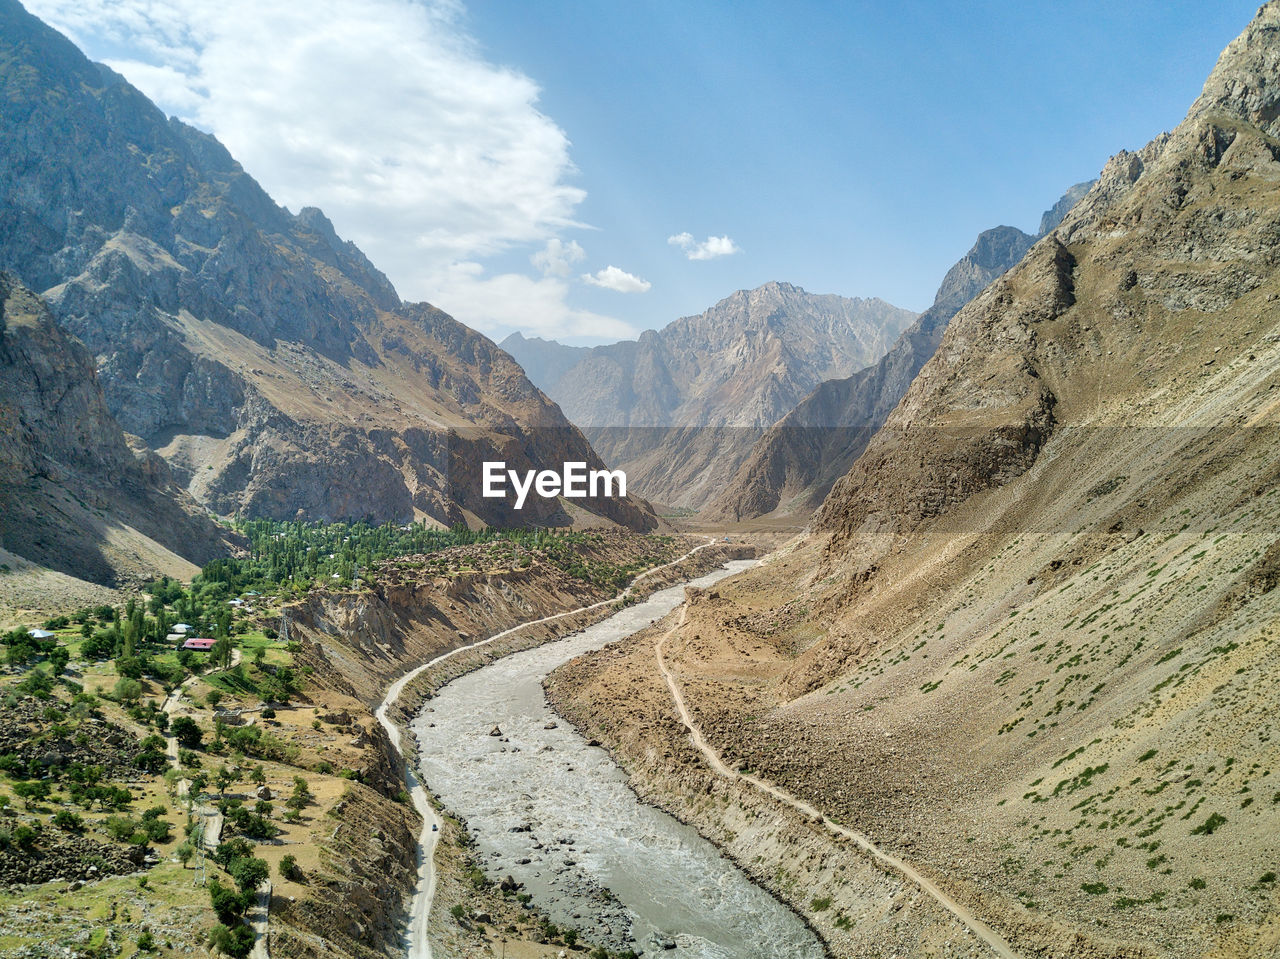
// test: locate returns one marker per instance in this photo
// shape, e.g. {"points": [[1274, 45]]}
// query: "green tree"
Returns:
{"points": [[224, 777], [32, 792], [249, 872], [128, 690], [227, 902], [235, 941], [187, 731], [58, 660]]}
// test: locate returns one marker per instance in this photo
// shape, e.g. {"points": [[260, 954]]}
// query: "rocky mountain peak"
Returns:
{"points": [[1058, 212], [992, 253], [798, 459], [1242, 84], [264, 357]]}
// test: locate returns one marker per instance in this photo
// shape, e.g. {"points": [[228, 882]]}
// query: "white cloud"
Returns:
{"points": [[620, 281], [558, 257], [511, 301], [383, 113], [708, 249]]}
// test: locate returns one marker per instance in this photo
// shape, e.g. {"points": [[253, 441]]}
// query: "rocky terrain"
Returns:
{"points": [[679, 408], [75, 495], [1029, 646], [269, 363], [794, 464]]}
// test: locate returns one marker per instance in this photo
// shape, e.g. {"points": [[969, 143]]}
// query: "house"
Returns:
{"points": [[40, 634], [181, 628], [199, 645]]}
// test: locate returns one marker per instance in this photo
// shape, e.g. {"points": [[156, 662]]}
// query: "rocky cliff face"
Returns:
{"points": [[74, 495], [794, 464], [267, 360], [680, 407]]}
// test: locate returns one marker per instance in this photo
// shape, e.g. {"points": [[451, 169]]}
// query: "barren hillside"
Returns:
{"points": [[1030, 647]]}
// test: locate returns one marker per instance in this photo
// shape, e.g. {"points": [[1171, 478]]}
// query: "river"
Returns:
{"points": [[558, 816]]}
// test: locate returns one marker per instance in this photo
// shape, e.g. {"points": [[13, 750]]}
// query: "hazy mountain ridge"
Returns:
{"points": [[267, 360], [794, 464], [679, 407]]}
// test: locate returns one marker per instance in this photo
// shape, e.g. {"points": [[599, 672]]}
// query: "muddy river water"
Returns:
{"points": [[556, 814]]}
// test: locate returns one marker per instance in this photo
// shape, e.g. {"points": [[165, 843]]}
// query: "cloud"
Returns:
{"points": [[384, 113], [511, 301], [620, 281], [557, 257], [708, 249]]}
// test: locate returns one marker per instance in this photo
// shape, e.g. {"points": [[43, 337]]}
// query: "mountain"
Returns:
{"points": [[74, 495], [679, 407], [1029, 646], [545, 362], [265, 359], [793, 465]]}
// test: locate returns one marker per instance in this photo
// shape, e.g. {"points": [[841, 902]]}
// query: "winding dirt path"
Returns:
{"points": [[905, 869], [419, 944]]}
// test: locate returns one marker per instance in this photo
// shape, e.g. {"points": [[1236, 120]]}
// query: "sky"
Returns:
{"points": [[587, 170]]}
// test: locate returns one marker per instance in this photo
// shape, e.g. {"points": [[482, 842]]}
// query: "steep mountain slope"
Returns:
{"points": [[74, 497], [266, 360], [680, 407], [1031, 645], [793, 466]]}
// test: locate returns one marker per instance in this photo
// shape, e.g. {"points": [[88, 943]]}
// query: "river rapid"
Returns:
{"points": [[557, 815]]}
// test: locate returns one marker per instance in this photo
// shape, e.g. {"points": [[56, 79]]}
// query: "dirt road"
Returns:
{"points": [[975, 925]]}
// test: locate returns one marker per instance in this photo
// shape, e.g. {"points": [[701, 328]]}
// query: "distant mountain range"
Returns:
{"points": [[680, 407], [793, 466], [267, 361]]}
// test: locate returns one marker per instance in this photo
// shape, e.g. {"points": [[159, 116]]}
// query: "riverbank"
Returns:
{"points": [[618, 696], [548, 808], [360, 643]]}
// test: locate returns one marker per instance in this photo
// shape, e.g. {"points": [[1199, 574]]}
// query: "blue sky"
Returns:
{"points": [[525, 165]]}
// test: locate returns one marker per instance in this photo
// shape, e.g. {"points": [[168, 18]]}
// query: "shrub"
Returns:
{"points": [[1211, 824], [227, 902], [127, 690], [67, 820], [24, 837], [235, 941]]}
